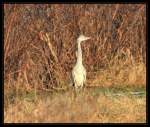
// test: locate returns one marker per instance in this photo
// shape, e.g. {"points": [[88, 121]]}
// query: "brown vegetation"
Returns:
{"points": [[94, 105], [39, 53]]}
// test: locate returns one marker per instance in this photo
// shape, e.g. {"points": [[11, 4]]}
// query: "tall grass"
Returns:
{"points": [[118, 34], [40, 45]]}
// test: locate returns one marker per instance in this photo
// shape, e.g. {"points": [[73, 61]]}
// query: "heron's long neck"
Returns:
{"points": [[79, 54]]}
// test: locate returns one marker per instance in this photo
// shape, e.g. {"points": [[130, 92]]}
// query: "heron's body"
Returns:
{"points": [[79, 75], [79, 72]]}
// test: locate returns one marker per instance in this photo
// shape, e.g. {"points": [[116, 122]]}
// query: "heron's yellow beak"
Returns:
{"points": [[87, 38]]}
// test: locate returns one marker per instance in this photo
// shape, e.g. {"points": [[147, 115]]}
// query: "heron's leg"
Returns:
{"points": [[74, 91], [78, 90], [83, 87], [73, 95]]}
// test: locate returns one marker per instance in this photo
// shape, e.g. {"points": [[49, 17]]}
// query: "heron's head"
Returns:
{"points": [[82, 38]]}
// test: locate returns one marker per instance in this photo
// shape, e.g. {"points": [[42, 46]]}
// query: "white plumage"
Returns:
{"points": [[79, 75], [79, 72]]}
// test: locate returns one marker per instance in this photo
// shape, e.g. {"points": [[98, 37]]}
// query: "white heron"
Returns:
{"points": [[79, 72]]}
